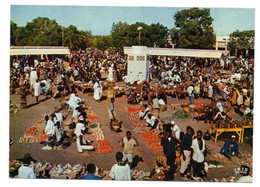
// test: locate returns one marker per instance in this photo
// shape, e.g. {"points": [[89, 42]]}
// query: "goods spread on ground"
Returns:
{"points": [[103, 145], [150, 137], [181, 114], [214, 164], [34, 133]]}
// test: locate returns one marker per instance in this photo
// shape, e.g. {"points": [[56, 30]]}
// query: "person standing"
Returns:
{"points": [[33, 77], [186, 151], [198, 147], [128, 143], [120, 170], [24, 90], [111, 111], [37, 88], [97, 90], [169, 149], [190, 90]]}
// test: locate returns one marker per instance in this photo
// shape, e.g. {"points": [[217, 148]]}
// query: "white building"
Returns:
{"points": [[221, 42]]}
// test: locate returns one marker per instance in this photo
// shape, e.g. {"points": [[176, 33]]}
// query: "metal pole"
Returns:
{"points": [[139, 37]]}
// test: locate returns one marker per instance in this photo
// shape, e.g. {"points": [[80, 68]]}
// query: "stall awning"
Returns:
{"points": [[200, 53], [39, 50]]}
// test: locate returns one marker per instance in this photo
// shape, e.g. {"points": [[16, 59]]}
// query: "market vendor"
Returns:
{"points": [[152, 121], [82, 143], [143, 115], [230, 148], [220, 114], [49, 128], [74, 101]]}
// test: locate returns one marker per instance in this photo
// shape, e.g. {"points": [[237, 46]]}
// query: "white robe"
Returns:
{"points": [[33, 77], [37, 88], [110, 77], [97, 91], [73, 101], [49, 128]]}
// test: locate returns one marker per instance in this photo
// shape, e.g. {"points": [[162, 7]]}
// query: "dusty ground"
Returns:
{"points": [[26, 117]]}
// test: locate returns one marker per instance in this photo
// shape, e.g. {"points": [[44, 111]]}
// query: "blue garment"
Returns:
{"points": [[91, 176], [111, 107], [169, 147], [234, 149], [187, 141]]}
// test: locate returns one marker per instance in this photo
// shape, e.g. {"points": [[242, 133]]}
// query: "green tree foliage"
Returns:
{"points": [[193, 29], [43, 31], [124, 34], [242, 40]]}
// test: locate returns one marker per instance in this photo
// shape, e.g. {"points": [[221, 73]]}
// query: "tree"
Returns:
{"points": [[194, 27], [158, 35], [43, 31]]}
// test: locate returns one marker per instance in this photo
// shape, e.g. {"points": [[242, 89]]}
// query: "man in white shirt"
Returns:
{"points": [[79, 127], [26, 172], [121, 170], [128, 144], [37, 89], [73, 101], [198, 147]]}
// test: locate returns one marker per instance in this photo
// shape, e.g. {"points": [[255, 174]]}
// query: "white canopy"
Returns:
{"points": [[200, 53], [39, 50]]}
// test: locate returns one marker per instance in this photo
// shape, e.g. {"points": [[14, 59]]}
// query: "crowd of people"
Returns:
{"points": [[226, 82]]}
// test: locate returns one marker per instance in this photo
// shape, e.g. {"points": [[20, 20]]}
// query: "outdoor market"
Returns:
{"points": [[140, 113]]}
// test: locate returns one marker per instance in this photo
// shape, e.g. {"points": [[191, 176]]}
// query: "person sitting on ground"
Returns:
{"points": [[49, 128], [91, 169], [59, 134], [120, 170], [152, 121], [143, 115], [128, 143], [82, 143], [220, 114], [74, 101], [230, 148]]}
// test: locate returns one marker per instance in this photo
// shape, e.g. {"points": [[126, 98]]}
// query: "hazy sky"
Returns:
{"points": [[99, 20]]}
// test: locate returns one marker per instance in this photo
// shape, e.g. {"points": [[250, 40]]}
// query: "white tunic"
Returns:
{"points": [[120, 172], [33, 77], [37, 88], [97, 91], [49, 128], [26, 172], [79, 128], [198, 155]]}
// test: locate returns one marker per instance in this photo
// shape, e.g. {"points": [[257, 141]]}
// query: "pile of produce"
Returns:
{"points": [[135, 109], [29, 135], [181, 114], [150, 137], [41, 137], [138, 175], [140, 126], [218, 156], [214, 164], [104, 146], [98, 133], [249, 160], [229, 179]]}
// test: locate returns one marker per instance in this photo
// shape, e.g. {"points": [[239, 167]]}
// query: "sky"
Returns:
{"points": [[99, 19]]}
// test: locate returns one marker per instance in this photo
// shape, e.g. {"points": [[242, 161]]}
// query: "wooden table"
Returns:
{"points": [[238, 130], [199, 111], [245, 127]]}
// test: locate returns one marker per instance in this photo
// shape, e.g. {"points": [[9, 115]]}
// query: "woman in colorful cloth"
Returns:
{"points": [[24, 90], [197, 90]]}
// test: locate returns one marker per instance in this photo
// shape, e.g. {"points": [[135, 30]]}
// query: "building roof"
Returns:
{"points": [[39, 50], [200, 53]]}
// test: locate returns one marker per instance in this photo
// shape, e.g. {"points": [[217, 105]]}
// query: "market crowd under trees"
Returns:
{"points": [[193, 29]]}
